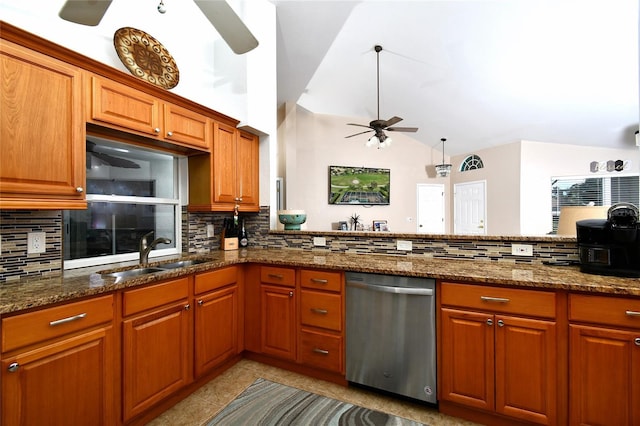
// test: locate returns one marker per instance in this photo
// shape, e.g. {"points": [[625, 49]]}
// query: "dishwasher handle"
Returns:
{"points": [[390, 289]]}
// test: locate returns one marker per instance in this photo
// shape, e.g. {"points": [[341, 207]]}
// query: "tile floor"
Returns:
{"points": [[203, 404]]}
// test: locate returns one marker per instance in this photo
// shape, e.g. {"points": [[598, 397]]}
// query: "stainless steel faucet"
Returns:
{"points": [[146, 248]]}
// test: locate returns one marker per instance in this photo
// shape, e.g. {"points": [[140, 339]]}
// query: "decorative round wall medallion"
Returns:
{"points": [[146, 58]]}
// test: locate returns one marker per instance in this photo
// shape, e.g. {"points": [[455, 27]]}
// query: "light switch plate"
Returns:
{"points": [[36, 242], [521, 249], [210, 233]]}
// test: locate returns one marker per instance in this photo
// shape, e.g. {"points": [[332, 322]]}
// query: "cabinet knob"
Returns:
{"points": [[156, 130], [200, 302], [290, 294], [637, 341], [500, 323], [13, 367], [79, 190], [187, 307], [489, 321], [169, 134], [239, 199]]}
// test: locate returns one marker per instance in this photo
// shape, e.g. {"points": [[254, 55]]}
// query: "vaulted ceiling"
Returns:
{"points": [[479, 72]]}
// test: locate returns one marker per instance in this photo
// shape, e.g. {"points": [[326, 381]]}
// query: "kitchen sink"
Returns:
{"points": [[119, 276], [181, 264]]}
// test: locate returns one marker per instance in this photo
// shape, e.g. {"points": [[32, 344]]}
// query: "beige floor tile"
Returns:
{"points": [[207, 401]]}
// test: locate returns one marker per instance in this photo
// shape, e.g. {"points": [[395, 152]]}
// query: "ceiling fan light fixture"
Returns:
{"points": [[372, 141], [443, 170]]}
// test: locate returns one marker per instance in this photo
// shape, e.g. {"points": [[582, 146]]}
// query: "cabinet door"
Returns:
{"points": [[186, 127], [526, 369], [467, 362], [156, 356], [216, 328], [69, 382], [224, 164], [42, 132], [278, 321], [120, 105], [604, 376], [248, 169]]}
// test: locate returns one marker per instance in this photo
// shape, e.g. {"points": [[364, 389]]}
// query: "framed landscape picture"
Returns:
{"points": [[359, 185]]}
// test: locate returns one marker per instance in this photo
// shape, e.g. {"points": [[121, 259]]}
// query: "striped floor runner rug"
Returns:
{"points": [[266, 403]]}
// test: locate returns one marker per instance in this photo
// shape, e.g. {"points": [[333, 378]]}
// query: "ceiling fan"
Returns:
{"points": [[223, 18], [379, 126]]}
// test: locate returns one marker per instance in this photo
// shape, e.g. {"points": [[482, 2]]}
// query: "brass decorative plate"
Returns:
{"points": [[146, 58]]}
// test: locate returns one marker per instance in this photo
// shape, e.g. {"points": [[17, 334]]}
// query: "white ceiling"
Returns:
{"points": [[478, 72]]}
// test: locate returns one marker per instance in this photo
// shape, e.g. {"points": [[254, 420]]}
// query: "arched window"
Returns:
{"points": [[472, 162]]}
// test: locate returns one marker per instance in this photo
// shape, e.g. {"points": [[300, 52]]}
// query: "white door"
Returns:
{"points": [[470, 208], [430, 209]]}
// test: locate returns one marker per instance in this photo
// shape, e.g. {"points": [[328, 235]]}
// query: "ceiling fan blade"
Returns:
{"points": [[359, 125], [85, 12], [361, 133], [392, 121], [228, 24], [402, 129]]}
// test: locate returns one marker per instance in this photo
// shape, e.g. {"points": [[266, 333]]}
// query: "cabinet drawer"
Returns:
{"points": [[321, 310], [321, 350], [321, 280], [138, 300], [618, 311], [499, 299], [50, 323], [208, 281], [280, 276]]}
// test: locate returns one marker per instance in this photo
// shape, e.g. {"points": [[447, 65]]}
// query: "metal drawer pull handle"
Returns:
{"points": [[494, 299], [13, 367], [637, 341], [321, 351], [68, 319], [319, 281], [319, 311], [633, 313], [278, 276]]}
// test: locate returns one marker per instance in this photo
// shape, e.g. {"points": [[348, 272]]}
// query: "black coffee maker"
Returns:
{"points": [[611, 246]]}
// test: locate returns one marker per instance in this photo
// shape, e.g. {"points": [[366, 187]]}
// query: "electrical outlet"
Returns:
{"points": [[210, 233], [404, 245], [521, 249], [36, 242], [319, 241]]}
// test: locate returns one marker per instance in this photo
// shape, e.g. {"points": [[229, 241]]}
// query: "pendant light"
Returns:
{"points": [[443, 170]]}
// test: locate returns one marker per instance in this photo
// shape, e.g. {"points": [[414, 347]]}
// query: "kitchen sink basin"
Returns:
{"points": [[181, 264], [119, 276]]}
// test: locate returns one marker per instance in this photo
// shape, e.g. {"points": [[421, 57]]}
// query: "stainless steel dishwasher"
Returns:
{"points": [[391, 334]]}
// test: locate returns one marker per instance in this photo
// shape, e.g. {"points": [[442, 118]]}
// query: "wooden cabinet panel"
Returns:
{"points": [[321, 280], [278, 321], [322, 350], [216, 328], [525, 369], [66, 382], [322, 310], [604, 376], [213, 280], [141, 299], [224, 164], [156, 356], [248, 169], [187, 127], [42, 132], [467, 361], [38, 326], [615, 311], [115, 103], [278, 275]]}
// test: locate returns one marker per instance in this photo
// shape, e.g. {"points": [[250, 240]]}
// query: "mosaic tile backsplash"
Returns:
{"points": [[15, 263]]}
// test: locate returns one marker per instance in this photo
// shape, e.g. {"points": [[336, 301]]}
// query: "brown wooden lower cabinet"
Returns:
{"points": [[156, 344], [63, 370], [278, 321], [496, 361]]}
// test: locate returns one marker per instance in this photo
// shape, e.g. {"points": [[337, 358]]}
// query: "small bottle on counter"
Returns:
{"points": [[243, 238]]}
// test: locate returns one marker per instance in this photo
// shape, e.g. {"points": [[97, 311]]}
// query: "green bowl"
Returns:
{"points": [[292, 219]]}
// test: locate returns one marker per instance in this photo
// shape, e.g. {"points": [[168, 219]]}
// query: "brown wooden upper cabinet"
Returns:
{"points": [[229, 176], [42, 132], [116, 105]]}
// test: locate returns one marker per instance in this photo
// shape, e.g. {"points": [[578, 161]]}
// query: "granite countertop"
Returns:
{"points": [[38, 292]]}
